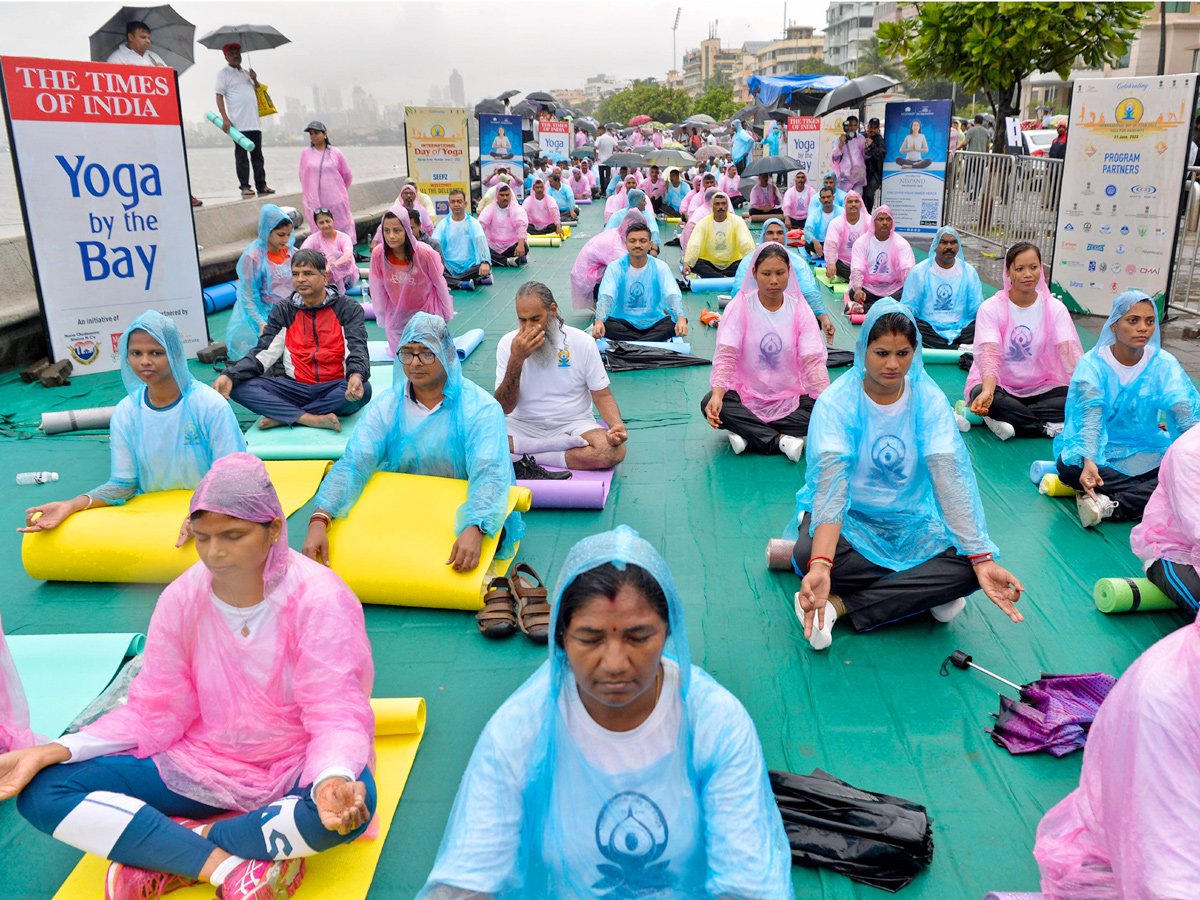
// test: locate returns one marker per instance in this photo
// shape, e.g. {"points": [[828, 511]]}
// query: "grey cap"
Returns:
{"points": [[314, 125]]}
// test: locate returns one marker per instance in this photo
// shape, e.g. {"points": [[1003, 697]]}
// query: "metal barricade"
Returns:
{"points": [[1185, 284]]}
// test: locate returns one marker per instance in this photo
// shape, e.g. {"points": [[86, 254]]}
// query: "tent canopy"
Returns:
{"points": [[771, 89]]}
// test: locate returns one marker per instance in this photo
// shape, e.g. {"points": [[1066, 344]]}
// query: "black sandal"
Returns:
{"points": [[498, 618]]}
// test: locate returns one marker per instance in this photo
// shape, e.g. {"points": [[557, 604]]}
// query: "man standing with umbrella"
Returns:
{"points": [[136, 49], [237, 101]]}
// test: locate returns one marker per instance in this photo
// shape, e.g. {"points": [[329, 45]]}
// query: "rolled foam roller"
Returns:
{"points": [[711, 285], [1114, 595], [1040, 469], [465, 344], [943, 357], [364, 271], [368, 312], [544, 240], [859, 318], [960, 407], [65, 420], [723, 300], [779, 555], [220, 296], [1051, 485]]}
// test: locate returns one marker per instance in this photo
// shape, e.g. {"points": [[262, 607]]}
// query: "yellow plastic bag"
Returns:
{"points": [[265, 106]]}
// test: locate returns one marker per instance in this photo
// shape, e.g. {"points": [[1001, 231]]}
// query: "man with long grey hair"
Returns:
{"points": [[548, 376]]}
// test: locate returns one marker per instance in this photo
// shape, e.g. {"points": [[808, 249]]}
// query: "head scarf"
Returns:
{"points": [[400, 211], [751, 283], [163, 330], [636, 197], [881, 209]]}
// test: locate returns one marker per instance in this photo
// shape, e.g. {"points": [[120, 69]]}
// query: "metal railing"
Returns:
{"points": [[1185, 285]]}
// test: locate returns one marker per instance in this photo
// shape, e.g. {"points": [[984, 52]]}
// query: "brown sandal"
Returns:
{"points": [[498, 618], [533, 611]]}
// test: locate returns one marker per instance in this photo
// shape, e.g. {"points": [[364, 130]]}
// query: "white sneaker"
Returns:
{"points": [[963, 425], [1092, 511], [1002, 430], [1053, 429], [792, 447], [821, 638], [948, 611], [737, 442]]}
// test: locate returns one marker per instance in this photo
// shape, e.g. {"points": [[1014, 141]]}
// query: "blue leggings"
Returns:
{"points": [[117, 807]]}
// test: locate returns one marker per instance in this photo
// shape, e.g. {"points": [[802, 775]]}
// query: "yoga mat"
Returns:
{"points": [[1040, 468], [368, 311], [1005, 895], [961, 407], [136, 542], [585, 201], [1051, 485], [779, 555], [671, 220], [544, 240], [465, 344], [583, 490], [356, 291], [942, 357], [710, 285], [1114, 595], [233, 134], [302, 442], [65, 420], [858, 318], [838, 287], [364, 271], [416, 513], [63, 673], [346, 871], [677, 344], [219, 297]]}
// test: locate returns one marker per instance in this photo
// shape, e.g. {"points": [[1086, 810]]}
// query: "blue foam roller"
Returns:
{"points": [[1041, 468], [220, 296], [712, 285], [355, 291], [465, 344], [678, 344]]}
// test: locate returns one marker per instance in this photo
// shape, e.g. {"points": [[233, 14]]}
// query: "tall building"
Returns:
{"points": [[457, 96], [316, 98], [710, 61], [569, 97], [847, 27], [331, 98]]}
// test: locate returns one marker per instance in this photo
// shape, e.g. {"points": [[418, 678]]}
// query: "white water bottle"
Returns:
{"points": [[37, 477]]}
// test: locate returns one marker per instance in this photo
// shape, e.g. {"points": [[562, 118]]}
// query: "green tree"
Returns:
{"points": [[660, 103], [994, 47], [716, 101], [816, 67], [873, 61]]}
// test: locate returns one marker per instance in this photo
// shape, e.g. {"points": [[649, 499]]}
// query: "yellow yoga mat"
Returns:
{"points": [[136, 542], [393, 546], [1052, 486], [346, 871], [544, 240]]}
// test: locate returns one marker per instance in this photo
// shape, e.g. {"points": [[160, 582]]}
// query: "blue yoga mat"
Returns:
{"points": [[219, 297], [711, 285]]}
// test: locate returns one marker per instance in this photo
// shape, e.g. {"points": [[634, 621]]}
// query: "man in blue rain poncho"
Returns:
{"points": [[264, 279], [889, 522], [568, 210], [743, 143], [821, 213], [164, 436], [774, 232], [639, 299], [944, 293], [1120, 391], [432, 422], [619, 768], [638, 201], [465, 253]]}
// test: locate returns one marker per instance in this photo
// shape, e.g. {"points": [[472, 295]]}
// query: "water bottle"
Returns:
{"points": [[37, 477]]}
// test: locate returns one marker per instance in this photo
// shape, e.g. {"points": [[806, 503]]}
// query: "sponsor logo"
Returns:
{"points": [[1103, 267], [1141, 231], [1106, 229], [1090, 150], [1076, 284], [1120, 249], [1144, 270], [1142, 190], [1111, 190], [1131, 269], [1130, 111], [1160, 148], [85, 352], [1069, 245], [1095, 248], [1094, 287], [1092, 266], [1087, 226], [1068, 227], [1113, 287], [1144, 252], [1124, 229], [1073, 263]]}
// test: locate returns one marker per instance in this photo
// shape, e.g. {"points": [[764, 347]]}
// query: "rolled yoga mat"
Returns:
{"points": [[356, 291], [63, 673], [942, 357], [711, 285], [858, 318], [233, 134], [779, 555], [1005, 895], [219, 297], [583, 490], [136, 542], [1040, 468], [960, 407], [583, 201], [301, 442], [368, 311], [409, 567], [1051, 485], [465, 344], [838, 287], [543, 240], [723, 300], [671, 220], [678, 345], [344, 872], [65, 420], [1116, 595]]}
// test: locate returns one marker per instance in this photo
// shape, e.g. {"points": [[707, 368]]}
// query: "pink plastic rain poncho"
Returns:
{"points": [[580, 187], [400, 291], [591, 176], [841, 235], [699, 199], [765, 198], [1170, 526], [699, 211], [541, 213], [1024, 362], [882, 270], [325, 181], [14, 711], [655, 189], [657, 140], [218, 735], [770, 371], [850, 165], [593, 259], [409, 193], [504, 227], [620, 197], [339, 256], [686, 202], [1128, 832], [795, 203], [638, 138], [730, 182]]}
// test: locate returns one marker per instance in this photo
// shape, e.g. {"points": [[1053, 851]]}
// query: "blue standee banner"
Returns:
{"points": [[500, 148], [916, 134]]}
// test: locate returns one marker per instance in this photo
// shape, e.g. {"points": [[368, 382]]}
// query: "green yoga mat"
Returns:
{"points": [[839, 287], [301, 442], [63, 673], [1114, 595]]}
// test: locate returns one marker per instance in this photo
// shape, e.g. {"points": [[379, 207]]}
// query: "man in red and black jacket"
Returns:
{"points": [[321, 339]]}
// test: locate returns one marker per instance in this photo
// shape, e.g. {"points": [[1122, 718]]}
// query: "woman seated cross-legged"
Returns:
{"points": [[254, 698]]}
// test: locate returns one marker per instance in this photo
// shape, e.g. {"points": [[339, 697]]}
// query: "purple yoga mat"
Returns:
{"points": [[368, 312], [1004, 895], [583, 490]]}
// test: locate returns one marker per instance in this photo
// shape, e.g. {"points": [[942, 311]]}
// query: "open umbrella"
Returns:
{"points": [[706, 153], [770, 165], [251, 37], [668, 157], [490, 105], [507, 94], [639, 120], [752, 114], [172, 35], [585, 126], [526, 110], [584, 151], [611, 125], [532, 148], [625, 159], [854, 92], [702, 119]]}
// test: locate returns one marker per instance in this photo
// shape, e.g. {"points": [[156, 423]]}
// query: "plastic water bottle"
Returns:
{"points": [[37, 477]]}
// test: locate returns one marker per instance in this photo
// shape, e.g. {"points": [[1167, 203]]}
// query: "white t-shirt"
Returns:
{"points": [[559, 394], [1126, 374], [951, 273], [605, 147], [241, 100], [888, 460], [126, 57], [1026, 338]]}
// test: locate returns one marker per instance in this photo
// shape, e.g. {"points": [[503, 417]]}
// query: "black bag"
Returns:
{"points": [[625, 357], [836, 359]]}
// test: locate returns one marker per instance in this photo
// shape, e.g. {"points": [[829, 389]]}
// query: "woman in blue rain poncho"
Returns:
{"points": [[743, 143], [618, 769], [432, 422], [264, 279], [945, 293], [1121, 391], [889, 522], [165, 435]]}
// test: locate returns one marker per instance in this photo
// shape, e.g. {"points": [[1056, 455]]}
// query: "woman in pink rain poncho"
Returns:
{"points": [[769, 367], [406, 277], [637, 139], [338, 248], [687, 198], [542, 210], [730, 183], [880, 262], [593, 259], [14, 711], [325, 181], [1128, 832], [254, 693], [766, 200], [620, 198]]}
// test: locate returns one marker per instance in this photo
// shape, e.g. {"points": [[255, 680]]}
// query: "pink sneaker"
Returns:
{"points": [[130, 883], [258, 879]]}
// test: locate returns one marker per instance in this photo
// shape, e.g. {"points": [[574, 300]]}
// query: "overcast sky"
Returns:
{"points": [[397, 50]]}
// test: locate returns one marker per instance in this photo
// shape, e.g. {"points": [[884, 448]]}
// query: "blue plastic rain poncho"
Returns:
{"points": [[534, 818], [817, 222], [743, 143], [897, 478], [466, 438], [804, 274], [639, 296], [947, 299], [771, 138], [463, 244], [839, 194], [563, 196], [261, 284], [676, 192], [615, 220], [165, 449], [1117, 425]]}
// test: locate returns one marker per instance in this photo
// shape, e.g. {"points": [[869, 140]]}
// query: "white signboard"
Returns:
{"points": [[98, 151], [1127, 146], [555, 139], [803, 143], [832, 128]]}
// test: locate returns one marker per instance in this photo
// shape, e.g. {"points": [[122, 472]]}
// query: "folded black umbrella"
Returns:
{"points": [[873, 838], [625, 357], [836, 359]]}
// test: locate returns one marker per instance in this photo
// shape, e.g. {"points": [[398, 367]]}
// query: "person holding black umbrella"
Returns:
{"points": [[237, 102], [136, 49]]}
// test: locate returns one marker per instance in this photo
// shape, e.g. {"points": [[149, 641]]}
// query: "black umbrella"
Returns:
{"points": [[532, 148], [585, 126], [526, 110], [507, 94], [755, 114], [173, 35], [625, 159], [251, 37], [854, 92], [770, 165], [541, 97], [489, 105], [611, 125], [584, 151]]}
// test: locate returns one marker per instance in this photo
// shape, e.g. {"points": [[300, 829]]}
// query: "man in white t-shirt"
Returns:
{"points": [[136, 49], [606, 146], [548, 375], [237, 102]]}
